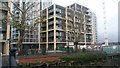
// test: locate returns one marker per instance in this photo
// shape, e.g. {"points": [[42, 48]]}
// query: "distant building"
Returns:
{"points": [[95, 28], [45, 3], [118, 24], [62, 25]]}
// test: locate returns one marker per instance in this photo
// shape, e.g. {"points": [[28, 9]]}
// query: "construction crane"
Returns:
{"points": [[104, 20]]}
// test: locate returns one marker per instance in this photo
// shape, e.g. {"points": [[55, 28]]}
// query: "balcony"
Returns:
{"points": [[58, 22], [89, 27], [57, 34], [88, 24], [57, 27], [43, 35], [43, 40], [82, 30], [59, 40], [43, 29], [51, 15], [51, 35], [58, 15], [88, 36], [15, 37], [89, 32], [50, 23], [43, 24], [50, 27], [50, 11], [82, 40], [69, 18], [50, 39], [3, 7], [88, 40]]}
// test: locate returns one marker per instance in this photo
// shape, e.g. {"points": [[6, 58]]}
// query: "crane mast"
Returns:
{"points": [[104, 20]]}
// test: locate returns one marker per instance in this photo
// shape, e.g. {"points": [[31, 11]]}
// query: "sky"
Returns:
{"points": [[96, 6]]}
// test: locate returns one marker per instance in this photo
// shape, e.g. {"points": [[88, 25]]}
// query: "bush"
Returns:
{"points": [[43, 51], [84, 57]]}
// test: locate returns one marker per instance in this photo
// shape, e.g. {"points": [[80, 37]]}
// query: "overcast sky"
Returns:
{"points": [[96, 6]]}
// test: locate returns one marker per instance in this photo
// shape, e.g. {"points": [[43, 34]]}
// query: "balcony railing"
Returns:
{"points": [[43, 29], [88, 24], [50, 27], [50, 16], [51, 35], [50, 40], [43, 35], [58, 27], [50, 11], [3, 7]]}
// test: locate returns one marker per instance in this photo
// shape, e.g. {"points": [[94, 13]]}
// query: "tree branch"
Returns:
{"points": [[16, 6], [31, 5]]}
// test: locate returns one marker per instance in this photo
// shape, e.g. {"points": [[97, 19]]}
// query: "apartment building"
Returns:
{"points": [[31, 40], [61, 25], [4, 27], [7, 32]]}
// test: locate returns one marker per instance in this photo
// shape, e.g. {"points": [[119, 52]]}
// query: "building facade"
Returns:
{"points": [[62, 25], [31, 39], [4, 27]]}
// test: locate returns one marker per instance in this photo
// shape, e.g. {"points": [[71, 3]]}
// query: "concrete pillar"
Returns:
{"points": [[67, 34], [85, 31], [54, 28], [8, 30], [47, 30]]}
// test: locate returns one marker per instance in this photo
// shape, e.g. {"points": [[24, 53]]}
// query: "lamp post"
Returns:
{"points": [[12, 55]]}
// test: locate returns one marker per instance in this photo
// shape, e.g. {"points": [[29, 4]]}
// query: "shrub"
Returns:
{"points": [[84, 57]]}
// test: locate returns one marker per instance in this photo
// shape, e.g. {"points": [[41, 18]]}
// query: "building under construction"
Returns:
{"points": [[66, 26]]}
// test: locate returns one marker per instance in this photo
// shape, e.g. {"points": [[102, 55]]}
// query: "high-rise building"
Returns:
{"points": [[62, 25], [95, 27], [4, 27]]}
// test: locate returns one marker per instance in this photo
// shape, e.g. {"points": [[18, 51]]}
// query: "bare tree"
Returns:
{"points": [[28, 17]]}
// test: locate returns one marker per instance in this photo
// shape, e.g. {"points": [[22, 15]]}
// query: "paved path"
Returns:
{"points": [[5, 61]]}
